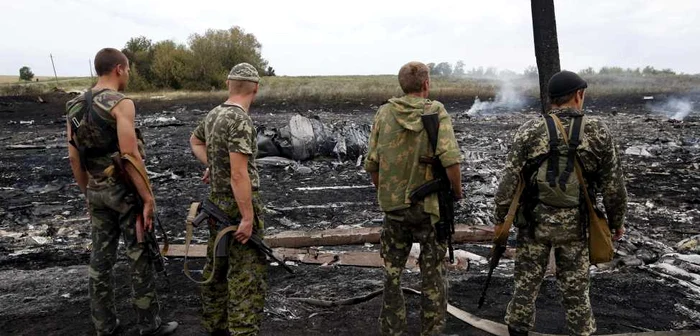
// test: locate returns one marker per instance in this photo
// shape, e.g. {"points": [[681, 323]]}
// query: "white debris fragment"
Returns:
{"points": [[39, 240], [26, 122], [639, 151], [333, 188], [677, 272]]}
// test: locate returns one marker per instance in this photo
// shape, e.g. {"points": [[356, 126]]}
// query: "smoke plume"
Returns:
{"points": [[507, 99], [674, 108]]}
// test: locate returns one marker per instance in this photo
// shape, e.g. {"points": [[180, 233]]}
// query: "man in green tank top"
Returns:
{"points": [[112, 206]]}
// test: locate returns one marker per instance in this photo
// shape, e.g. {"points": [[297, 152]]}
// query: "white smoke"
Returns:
{"points": [[507, 98], [674, 108]]}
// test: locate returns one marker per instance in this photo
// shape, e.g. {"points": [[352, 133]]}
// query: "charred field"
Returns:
{"points": [[654, 283]]}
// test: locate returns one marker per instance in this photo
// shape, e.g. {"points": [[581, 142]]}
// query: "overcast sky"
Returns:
{"points": [[358, 37]]}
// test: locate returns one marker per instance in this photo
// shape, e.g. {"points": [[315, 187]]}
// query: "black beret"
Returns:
{"points": [[564, 83]]}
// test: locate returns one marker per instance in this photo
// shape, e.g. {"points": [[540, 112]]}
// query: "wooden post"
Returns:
{"points": [[54, 70], [90, 67], [544, 29]]}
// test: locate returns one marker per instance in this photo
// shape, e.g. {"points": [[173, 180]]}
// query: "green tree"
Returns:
{"points": [[431, 68], [139, 51], [270, 71], [531, 72], [25, 73], [459, 69], [443, 69], [587, 72], [169, 66], [217, 51]]}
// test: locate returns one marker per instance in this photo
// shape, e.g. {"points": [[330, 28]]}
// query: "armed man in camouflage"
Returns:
{"points": [[113, 210], [397, 142], [552, 213], [225, 141]]}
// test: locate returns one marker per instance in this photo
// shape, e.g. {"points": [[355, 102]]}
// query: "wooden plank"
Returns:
{"points": [[360, 236], [334, 237]]}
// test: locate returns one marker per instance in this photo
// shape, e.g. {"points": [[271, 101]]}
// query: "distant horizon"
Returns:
{"points": [[377, 74]]}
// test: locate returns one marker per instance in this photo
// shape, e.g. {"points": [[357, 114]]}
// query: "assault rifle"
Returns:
{"points": [[148, 238], [500, 238], [440, 184], [211, 210]]}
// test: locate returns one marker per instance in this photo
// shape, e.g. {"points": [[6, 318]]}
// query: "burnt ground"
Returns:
{"points": [[44, 231]]}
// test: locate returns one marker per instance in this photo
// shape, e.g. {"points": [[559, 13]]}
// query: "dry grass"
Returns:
{"points": [[375, 89]]}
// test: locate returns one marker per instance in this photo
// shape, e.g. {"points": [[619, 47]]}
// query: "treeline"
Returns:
{"points": [[646, 71], [201, 64], [446, 69]]}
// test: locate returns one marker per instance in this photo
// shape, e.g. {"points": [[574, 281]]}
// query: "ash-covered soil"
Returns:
{"points": [[44, 229]]}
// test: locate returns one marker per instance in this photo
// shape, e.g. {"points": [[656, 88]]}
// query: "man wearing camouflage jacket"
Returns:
{"points": [[397, 141], [112, 205], [562, 229], [225, 141]]}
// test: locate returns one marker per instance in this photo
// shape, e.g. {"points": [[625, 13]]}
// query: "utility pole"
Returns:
{"points": [[92, 78], [544, 29], [54, 70]]}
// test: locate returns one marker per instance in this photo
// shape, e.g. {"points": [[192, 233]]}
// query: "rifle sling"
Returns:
{"points": [[501, 234], [577, 167], [431, 131], [188, 241], [553, 163], [133, 161]]}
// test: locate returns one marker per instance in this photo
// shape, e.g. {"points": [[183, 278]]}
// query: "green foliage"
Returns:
{"points": [[459, 69], [442, 69], [587, 72], [531, 72], [202, 64], [25, 73], [169, 67]]}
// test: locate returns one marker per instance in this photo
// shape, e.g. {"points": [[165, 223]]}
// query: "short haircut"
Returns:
{"points": [[412, 75], [107, 59], [561, 100], [241, 87]]}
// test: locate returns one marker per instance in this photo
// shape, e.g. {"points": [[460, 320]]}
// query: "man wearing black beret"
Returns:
{"points": [[548, 153]]}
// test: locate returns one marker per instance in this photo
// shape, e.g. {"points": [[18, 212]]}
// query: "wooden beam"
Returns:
{"points": [[334, 237]]}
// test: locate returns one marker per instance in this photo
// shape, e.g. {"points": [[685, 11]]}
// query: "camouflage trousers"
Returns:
{"points": [[113, 213], [235, 298], [572, 263], [400, 229]]}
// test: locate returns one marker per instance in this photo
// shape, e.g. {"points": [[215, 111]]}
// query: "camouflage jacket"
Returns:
{"points": [[601, 163], [103, 103], [226, 129], [397, 142]]}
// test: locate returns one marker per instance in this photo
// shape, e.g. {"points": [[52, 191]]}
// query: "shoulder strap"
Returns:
{"points": [[431, 123], [553, 165], [501, 235], [91, 113], [577, 166], [574, 142]]}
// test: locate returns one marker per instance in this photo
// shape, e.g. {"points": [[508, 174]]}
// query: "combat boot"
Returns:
{"points": [[115, 331], [220, 332], [163, 330], [516, 332]]}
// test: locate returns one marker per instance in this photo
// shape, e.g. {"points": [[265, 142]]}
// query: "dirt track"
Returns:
{"points": [[43, 280]]}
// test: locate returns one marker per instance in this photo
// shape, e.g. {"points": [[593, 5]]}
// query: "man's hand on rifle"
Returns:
{"points": [[205, 177], [148, 209], [618, 233], [245, 230]]}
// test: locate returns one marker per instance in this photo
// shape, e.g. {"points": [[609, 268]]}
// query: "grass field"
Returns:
{"points": [[378, 87]]}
